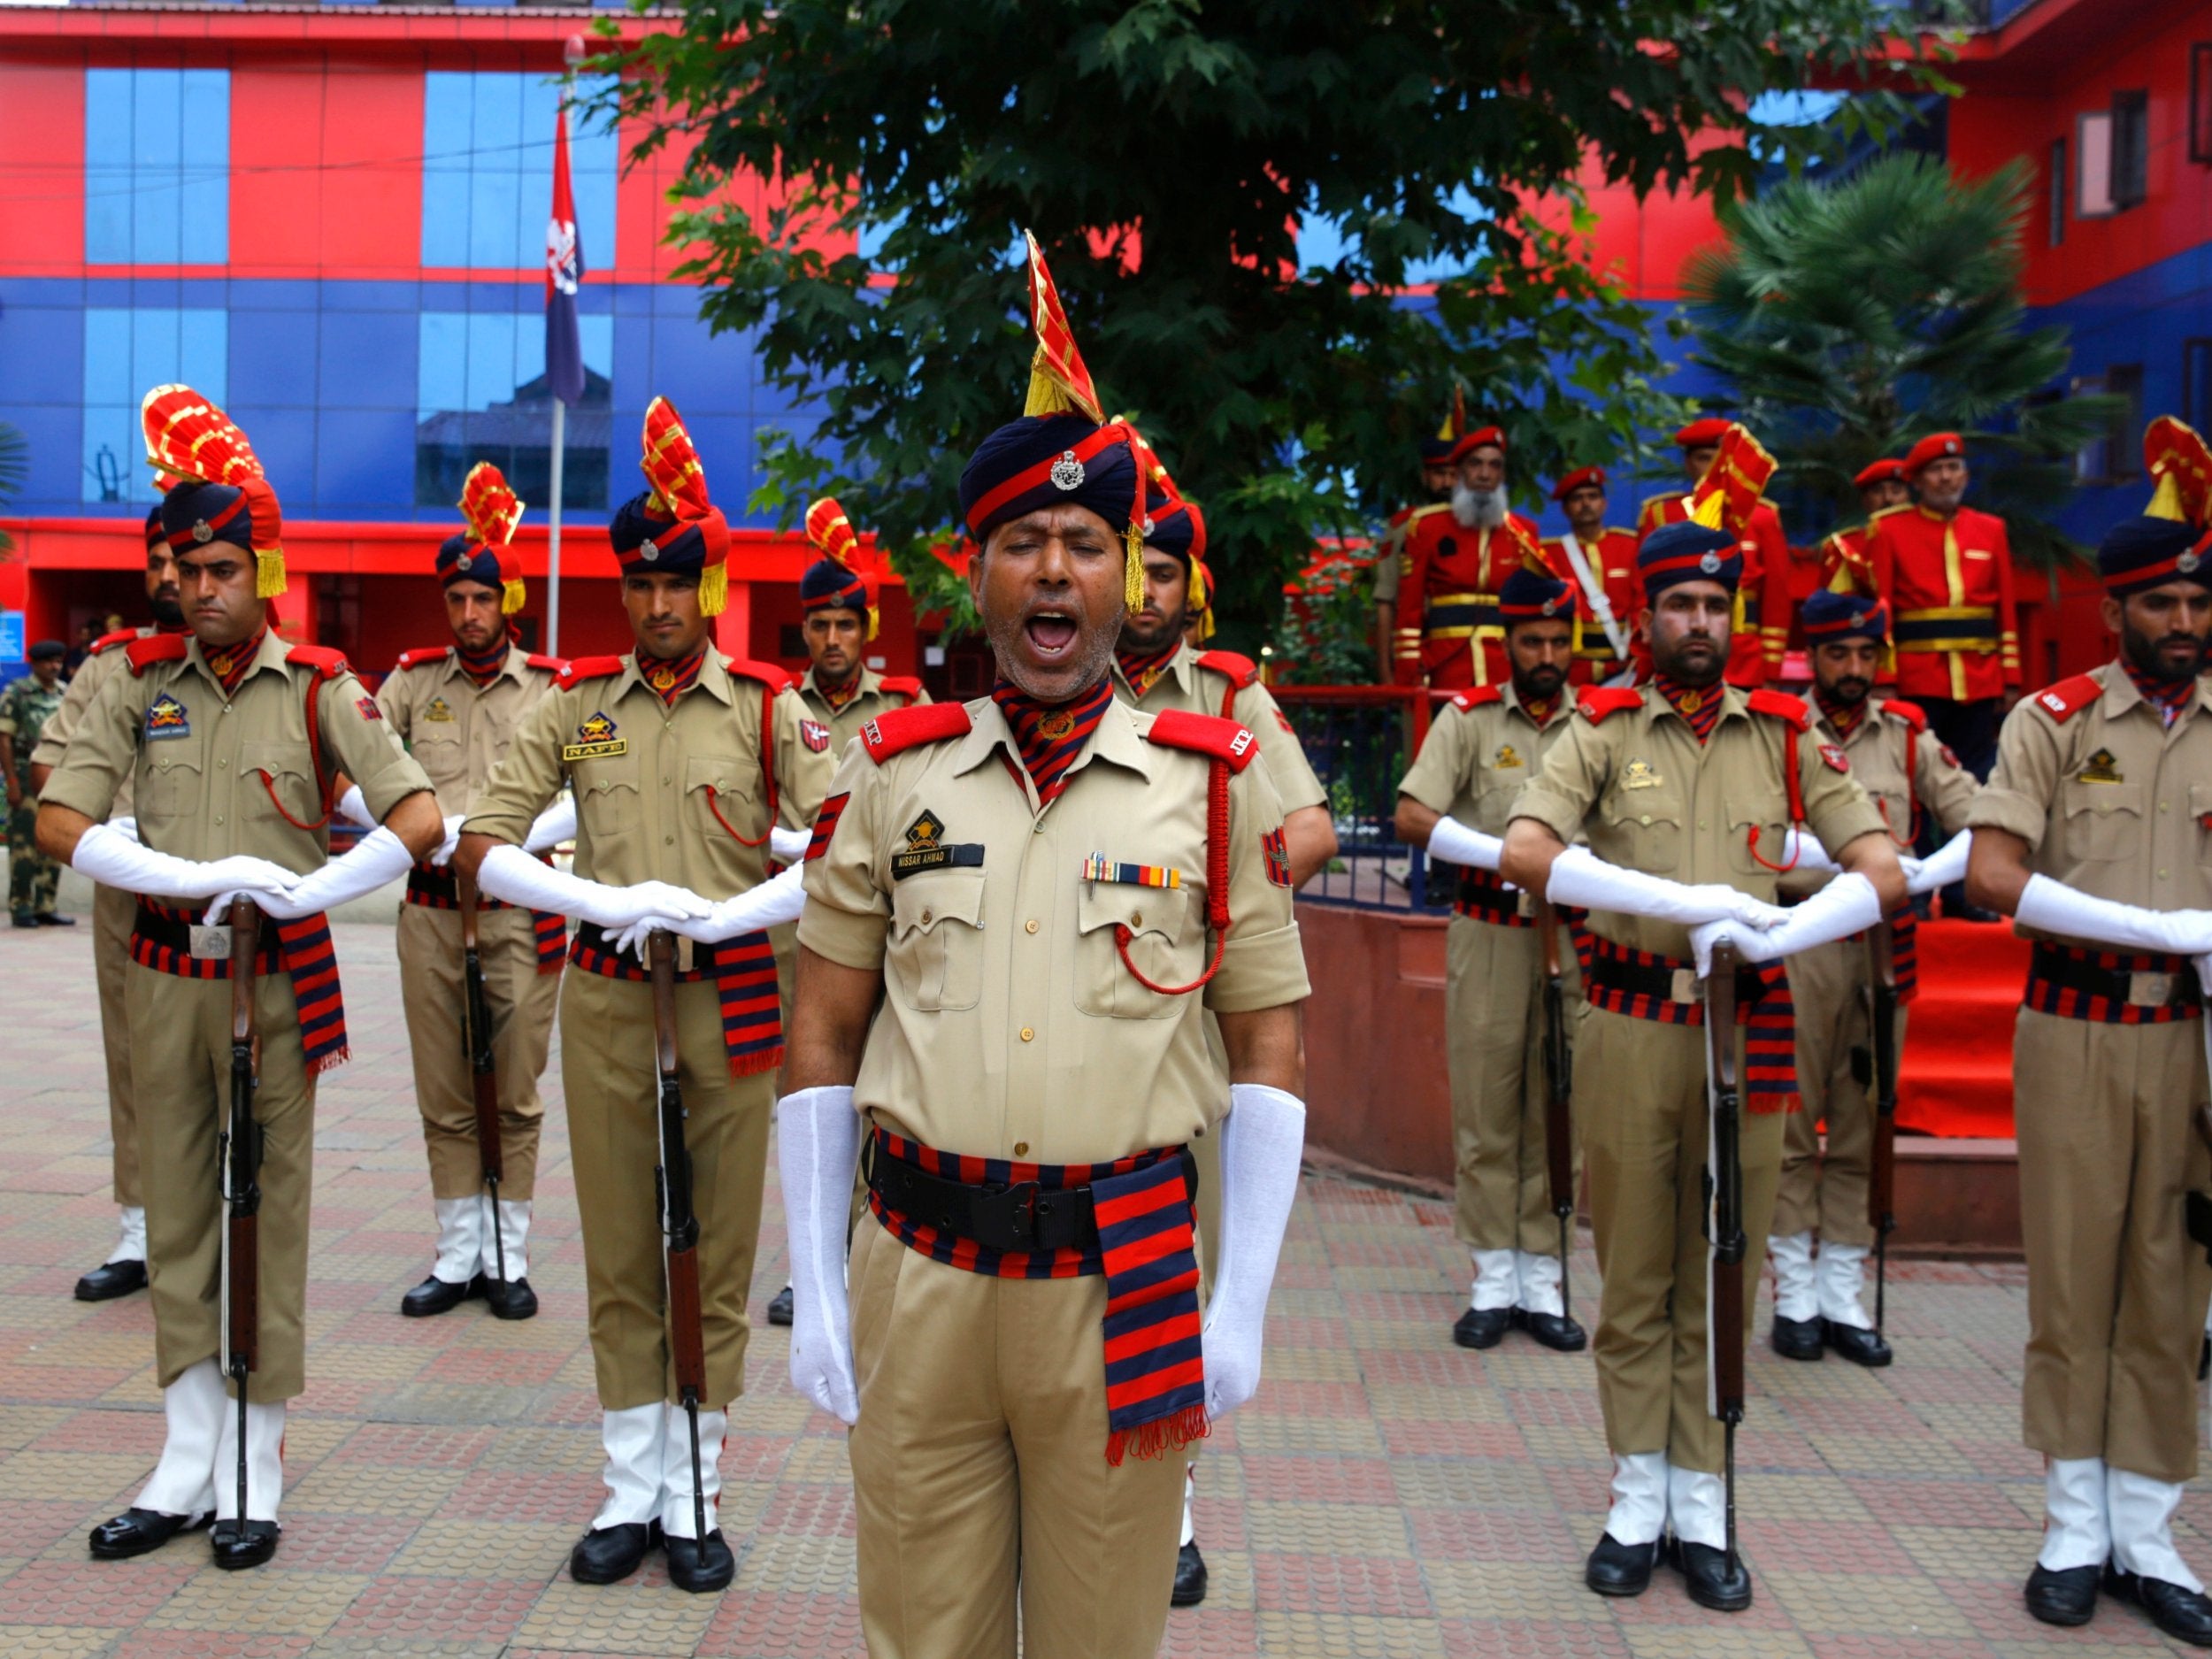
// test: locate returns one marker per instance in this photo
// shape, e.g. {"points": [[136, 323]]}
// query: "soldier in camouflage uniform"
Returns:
{"points": [[25, 708]]}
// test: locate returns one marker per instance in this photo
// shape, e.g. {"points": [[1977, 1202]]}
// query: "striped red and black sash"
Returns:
{"points": [[2096, 985], [435, 888], [743, 969], [1156, 1384], [1639, 983], [161, 938], [1484, 894]]}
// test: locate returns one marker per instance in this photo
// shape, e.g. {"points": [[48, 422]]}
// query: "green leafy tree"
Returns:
{"points": [[1851, 317], [1164, 153]]}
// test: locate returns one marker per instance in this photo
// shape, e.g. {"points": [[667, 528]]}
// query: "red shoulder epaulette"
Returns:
{"points": [[158, 648], [1911, 713], [1597, 702], [2068, 697], [903, 685], [109, 641], [769, 674], [1232, 665], [1477, 697], [423, 654], [589, 668], [552, 665], [325, 660], [1205, 734], [896, 731], [1782, 706]]}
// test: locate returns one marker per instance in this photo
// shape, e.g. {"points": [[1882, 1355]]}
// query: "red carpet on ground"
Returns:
{"points": [[1957, 1079]]}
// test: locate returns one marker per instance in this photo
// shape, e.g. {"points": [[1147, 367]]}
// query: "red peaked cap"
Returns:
{"points": [[1887, 470], [1935, 447]]}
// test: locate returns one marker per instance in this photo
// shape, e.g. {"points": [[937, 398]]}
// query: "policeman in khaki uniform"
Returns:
{"points": [[233, 741], [1761, 633], [1688, 779], [457, 707], [2093, 835], [1485, 745], [112, 909], [1019, 911], [682, 761], [1823, 1189]]}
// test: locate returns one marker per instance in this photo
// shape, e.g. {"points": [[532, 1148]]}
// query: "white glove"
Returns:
{"points": [[1845, 906], [773, 903], [557, 824], [1941, 867], [1579, 877], [510, 874], [788, 846], [442, 853], [124, 826], [817, 1148], [354, 807], [117, 860], [2053, 907], [1453, 841], [377, 858], [1262, 1141], [1803, 846]]}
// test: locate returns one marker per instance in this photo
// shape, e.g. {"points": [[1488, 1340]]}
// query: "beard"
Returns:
{"points": [[1849, 692], [1083, 667], [1542, 684], [1694, 659], [1942, 500], [1478, 508], [167, 612], [2151, 656]]}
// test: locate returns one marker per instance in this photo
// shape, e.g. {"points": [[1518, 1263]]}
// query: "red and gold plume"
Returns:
{"points": [[190, 440], [829, 529], [1058, 381], [492, 512], [671, 464], [2176, 455], [1734, 485]]}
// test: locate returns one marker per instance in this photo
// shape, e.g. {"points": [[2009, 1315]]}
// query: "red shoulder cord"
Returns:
{"points": [[1797, 805], [323, 789], [767, 770], [1912, 792], [1216, 888]]}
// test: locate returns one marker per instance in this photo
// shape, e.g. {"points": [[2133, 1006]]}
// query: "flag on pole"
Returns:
{"points": [[563, 270]]}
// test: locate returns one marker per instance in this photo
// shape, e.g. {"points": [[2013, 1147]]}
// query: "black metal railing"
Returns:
{"points": [[1360, 739]]}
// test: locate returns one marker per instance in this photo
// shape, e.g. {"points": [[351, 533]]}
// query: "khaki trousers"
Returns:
{"points": [[181, 1032], [112, 912], [1640, 1091], [2115, 1288], [613, 1086], [1493, 1049], [522, 1003], [1825, 1191], [979, 1470]]}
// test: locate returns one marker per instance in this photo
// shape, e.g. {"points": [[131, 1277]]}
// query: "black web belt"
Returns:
{"points": [[1019, 1215], [2115, 985]]}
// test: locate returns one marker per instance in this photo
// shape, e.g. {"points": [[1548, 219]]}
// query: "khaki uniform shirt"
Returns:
{"points": [[85, 684], [456, 732], [198, 757], [1877, 751], [2109, 800], [1475, 760], [1009, 1027], [1186, 685], [844, 724], [650, 779], [1650, 797]]}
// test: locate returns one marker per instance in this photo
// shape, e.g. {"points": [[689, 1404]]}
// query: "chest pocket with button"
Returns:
{"points": [[439, 750], [2200, 812], [720, 792], [170, 778], [2104, 821], [1642, 829], [1158, 920], [934, 957], [1769, 816], [290, 773], [609, 810]]}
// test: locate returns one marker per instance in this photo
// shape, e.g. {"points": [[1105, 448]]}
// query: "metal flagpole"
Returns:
{"points": [[553, 537]]}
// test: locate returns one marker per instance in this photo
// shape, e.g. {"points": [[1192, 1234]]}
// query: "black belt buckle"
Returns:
{"points": [[1015, 1212]]}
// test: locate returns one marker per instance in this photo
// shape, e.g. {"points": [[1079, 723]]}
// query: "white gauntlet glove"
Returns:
{"points": [[817, 1148], [557, 824], [510, 874], [772, 903], [380, 857], [1262, 1140], [2053, 907], [354, 807], [115, 859], [1941, 867], [1453, 841], [1802, 848], [788, 846], [1579, 877], [1845, 906]]}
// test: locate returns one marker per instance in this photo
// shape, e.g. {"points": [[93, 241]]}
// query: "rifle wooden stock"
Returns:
{"points": [[685, 1337], [242, 1153], [1725, 1311], [476, 1041]]}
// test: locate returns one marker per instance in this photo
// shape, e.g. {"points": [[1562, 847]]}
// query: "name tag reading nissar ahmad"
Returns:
{"points": [[939, 855]]}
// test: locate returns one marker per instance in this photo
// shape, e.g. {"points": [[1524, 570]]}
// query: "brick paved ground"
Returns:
{"points": [[1387, 1494]]}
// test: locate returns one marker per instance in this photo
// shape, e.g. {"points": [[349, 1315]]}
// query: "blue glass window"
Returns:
{"points": [[482, 397], [488, 172], [126, 354], [157, 166]]}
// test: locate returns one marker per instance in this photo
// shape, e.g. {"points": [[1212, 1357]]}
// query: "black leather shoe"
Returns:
{"points": [[1714, 1581], [237, 1547], [1857, 1344], [135, 1532], [1618, 1569], [2184, 1614], [701, 1566], [2067, 1596], [23, 919], [780, 1307], [438, 1295], [1482, 1327], [1555, 1331], [1797, 1338], [112, 1279], [48, 918], [607, 1554], [511, 1298], [1190, 1577]]}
